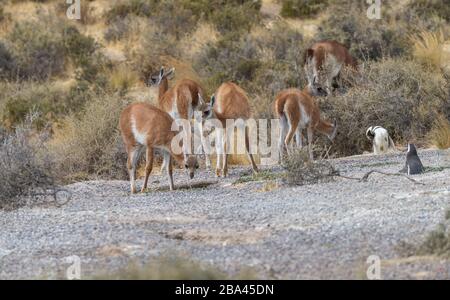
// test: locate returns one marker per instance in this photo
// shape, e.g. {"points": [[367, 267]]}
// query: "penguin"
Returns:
{"points": [[380, 139], [413, 164]]}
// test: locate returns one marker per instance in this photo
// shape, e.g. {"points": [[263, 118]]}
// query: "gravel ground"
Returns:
{"points": [[322, 231]]}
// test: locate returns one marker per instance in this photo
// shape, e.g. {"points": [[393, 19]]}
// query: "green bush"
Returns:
{"points": [[236, 18], [302, 8], [79, 48], [8, 64], [38, 51]]}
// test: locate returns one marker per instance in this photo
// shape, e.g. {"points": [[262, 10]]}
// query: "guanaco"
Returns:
{"points": [[323, 63], [181, 101], [230, 102], [297, 110], [145, 127]]}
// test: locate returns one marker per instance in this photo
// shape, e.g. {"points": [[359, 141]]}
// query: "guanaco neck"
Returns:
{"points": [[163, 88]]}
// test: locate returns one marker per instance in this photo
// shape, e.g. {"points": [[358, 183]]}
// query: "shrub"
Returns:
{"points": [[78, 47], [122, 9], [400, 95], [440, 133], [26, 176], [263, 63], [300, 170], [366, 39], [39, 52], [19, 99], [7, 63], [236, 19], [121, 79], [88, 144], [118, 29], [431, 8], [154, 46], [428, 48], [302, 8]]}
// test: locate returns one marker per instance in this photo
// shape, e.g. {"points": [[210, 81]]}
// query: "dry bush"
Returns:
{"points": [[401, 95], [302, 8], [124, 8], [8, 65], [122, 78], [26, 176], [437, 242], [428, 48], [439, 135], [431, 8], [367, 39], [89, 144], [154, 46], [17, 100], [118, 29], [300, 170], [38, 51]]}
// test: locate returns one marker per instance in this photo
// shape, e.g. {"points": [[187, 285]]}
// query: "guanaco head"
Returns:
{"points": [[157, 79], [208, 111], [191, 164], [203, 107]]}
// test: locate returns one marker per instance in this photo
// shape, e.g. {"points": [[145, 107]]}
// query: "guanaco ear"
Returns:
{"points": [[170, 73], [309, 54], [201, 102], [161, 73], [213, 100], [335, 128]]}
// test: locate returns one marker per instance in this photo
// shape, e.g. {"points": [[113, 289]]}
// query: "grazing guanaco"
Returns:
{"points": [[145, 127], [230, 102], [181, 101], [297, 110], [323, 64]]}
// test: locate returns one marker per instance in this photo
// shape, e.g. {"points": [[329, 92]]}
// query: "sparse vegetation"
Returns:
{"points": [[302, 8], [401, 95], [25, 169], [300, 170], [89, 144], [166, 268], [437, 242], [261, 176], [440, 133], [428, 48], [367, 39]]}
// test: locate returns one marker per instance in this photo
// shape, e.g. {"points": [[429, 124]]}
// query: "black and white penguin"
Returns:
{"points": [[413, 164]]}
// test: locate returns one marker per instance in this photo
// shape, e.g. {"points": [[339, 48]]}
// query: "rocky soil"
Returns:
{"points": [[322, 231]]}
